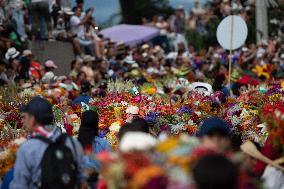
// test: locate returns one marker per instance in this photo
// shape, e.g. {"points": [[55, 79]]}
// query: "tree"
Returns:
{"points": [[134, 10]]}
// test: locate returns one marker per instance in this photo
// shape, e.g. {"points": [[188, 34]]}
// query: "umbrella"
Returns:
{"points": [[130, 34]]}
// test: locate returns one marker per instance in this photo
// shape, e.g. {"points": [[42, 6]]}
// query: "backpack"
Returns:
{"points": [[58, 166]]}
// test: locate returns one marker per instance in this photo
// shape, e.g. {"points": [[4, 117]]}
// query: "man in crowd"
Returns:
{"points": [[38, 118], [77, 28], [214, 134]]}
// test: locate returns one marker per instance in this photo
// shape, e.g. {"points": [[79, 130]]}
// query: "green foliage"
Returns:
{"points": [[134, 10]]}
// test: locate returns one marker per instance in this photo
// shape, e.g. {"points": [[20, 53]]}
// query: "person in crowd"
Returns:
{"points": [[25, 64], [12, 56], [39, 9], [16, 8], [137, 125], [179, 22], [80, 4], [3, 76], [29, 169], [49, 76], [81, 78], [77, 22], [219, 85], [87, 68], [89, 138], [85, 94], [91, 35], [75, 69], [214, 172], [214, 134]]}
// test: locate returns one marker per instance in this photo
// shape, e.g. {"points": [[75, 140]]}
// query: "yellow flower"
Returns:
{"points": [[144, 175], [168, 145], [261, 71]]}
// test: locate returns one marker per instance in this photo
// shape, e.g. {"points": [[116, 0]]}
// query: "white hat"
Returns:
{"points": [[134, 110], [88, 58], [145, 46], [50, 64], [11, 53], [204, 88], [27, 52], [135, 65], [129, 60], [137, 141], [282, 56], [244, 49]]}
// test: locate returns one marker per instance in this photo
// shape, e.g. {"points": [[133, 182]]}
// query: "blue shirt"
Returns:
{"points": [[98, 145], [7, 179], [27, 169]]}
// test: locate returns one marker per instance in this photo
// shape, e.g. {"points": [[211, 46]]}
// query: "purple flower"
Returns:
{"points": [[164, 127], [103, 133], [184, 110], [152, 116]]}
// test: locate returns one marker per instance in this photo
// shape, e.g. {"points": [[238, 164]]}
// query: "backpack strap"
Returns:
{"points": [[43, 139], [62, 140]]}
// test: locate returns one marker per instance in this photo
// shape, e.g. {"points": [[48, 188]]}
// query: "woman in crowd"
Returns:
{"points": [[89, 138], [75, 69], [87, 68]]}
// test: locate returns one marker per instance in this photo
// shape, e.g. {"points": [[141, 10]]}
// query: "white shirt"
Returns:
{"points": [[76, 28]]}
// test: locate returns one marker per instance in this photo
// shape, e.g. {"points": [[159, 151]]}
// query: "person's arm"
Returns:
{"points": [[22, 174], [86, 17]]}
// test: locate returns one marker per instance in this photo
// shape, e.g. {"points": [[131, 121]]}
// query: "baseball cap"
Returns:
{"points": [[213, 125], [40, 108], [50, 64]]}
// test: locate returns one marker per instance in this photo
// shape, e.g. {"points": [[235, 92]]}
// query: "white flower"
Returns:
{"points": [[19, 141], [114, 127], [134, 110]]}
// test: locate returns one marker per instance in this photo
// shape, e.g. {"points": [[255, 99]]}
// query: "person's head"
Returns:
{"points": [[89, 128], [80, 3], [49, 65], [215, 134], [85, 88], [82, 77], [28, 54], [14, 62], [88, 60], [75, 65], [38, 112], [137, 125], [215, 172], [77, 11], [141, 124]]}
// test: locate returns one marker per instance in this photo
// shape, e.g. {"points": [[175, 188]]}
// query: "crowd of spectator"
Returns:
{"points": [[98, 59]]}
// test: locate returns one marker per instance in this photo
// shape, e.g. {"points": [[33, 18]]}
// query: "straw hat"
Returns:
{"points": [[27, 52], [88, 58]]}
